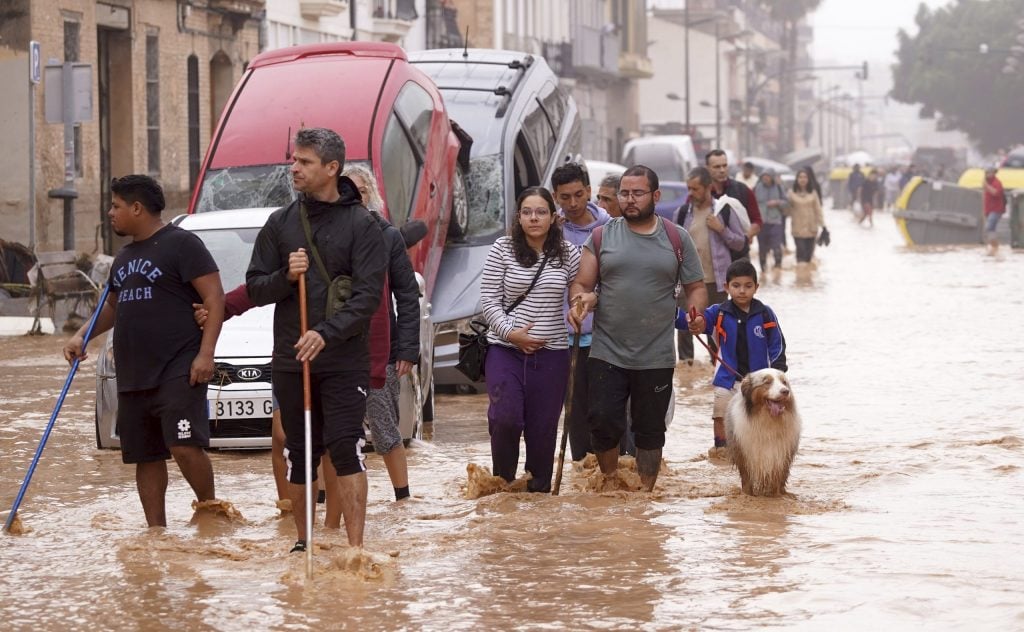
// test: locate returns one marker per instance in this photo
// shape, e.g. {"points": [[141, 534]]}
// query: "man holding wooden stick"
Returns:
{"points": [[329, 224]]}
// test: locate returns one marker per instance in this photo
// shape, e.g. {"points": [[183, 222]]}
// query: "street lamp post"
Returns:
{"points": [[686, 59], [718, 91]]}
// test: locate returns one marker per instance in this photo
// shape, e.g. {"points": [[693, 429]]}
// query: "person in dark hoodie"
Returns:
{"points": [[348, 240], [772, 199], [571, 185]]}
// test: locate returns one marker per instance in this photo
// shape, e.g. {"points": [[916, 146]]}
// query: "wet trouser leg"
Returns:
{"points": [[546, 380], [505, 413], [651, 391], [579, 431], [627, 446], [804, 249]]}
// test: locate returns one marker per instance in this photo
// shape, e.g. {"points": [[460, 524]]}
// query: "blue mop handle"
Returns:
{"points": [[56, 410]]}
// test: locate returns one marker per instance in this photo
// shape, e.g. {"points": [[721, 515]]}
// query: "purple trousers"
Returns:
{"points": [[526, 394]]}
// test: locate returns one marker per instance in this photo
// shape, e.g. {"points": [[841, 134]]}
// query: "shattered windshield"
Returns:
{"points": [[260, 186], [484, 186], [263, 186]]}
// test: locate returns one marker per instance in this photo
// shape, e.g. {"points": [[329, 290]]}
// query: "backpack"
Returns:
{"points": [[724, 215], [673, 237]]}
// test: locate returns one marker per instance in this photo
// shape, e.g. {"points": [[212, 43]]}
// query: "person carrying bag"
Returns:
{"points": [[473, 346], [527, 359]]}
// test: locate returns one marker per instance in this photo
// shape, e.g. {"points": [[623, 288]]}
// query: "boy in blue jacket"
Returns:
{"points": [[748, 337]]}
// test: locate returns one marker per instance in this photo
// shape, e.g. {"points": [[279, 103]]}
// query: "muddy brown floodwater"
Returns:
{"points": [[907, 505]]}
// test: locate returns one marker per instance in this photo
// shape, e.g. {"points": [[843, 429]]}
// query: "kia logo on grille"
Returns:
{"points": [[249, 373]]}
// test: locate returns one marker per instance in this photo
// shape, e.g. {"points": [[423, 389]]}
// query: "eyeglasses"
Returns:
{"points": [[535, 212], [636, 195]]}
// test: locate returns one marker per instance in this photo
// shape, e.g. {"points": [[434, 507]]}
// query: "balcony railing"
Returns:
{"points": [[315, 9], [404, 10], [594, 51], [392, 19]]}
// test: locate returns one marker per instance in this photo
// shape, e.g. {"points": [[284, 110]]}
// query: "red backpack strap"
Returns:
{"points": [[673, 236]]}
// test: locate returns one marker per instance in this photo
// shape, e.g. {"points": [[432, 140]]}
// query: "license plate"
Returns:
{"points": [[240, 408]]}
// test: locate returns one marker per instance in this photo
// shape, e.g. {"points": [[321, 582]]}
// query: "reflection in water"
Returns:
{"points": [[904, 510]]}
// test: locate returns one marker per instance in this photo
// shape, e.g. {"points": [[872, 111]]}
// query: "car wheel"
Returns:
{"points": [[458, 222]]}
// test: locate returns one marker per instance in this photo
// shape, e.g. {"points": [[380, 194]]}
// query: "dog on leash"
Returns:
{"points": [[762, 428]]}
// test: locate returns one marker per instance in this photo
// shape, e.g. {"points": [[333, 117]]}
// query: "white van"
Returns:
{"points": [[671, 157]]}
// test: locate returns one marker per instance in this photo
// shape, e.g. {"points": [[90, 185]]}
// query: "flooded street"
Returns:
{"points": [[906, 511]]}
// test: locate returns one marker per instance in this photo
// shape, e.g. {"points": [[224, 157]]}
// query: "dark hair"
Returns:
{"points": [[701, 173], [812, 182], [324, 142], [142, 189], [748, 165], [740, 268], [568, 173], [611, 181], [715, 152], [647, 172], [553, 246]]}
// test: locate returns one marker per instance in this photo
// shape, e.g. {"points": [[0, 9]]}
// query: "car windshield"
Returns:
{"points": [[231, 249], [254, 186], [484, 186]]}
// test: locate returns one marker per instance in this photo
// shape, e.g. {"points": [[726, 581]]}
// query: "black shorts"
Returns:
{"points": [[338, 408], [648, 392], [149, 422]]}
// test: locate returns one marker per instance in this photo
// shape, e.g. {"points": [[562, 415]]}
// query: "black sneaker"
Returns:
{"points": [[300, 547]]}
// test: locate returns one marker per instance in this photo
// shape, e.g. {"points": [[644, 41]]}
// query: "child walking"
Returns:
{"points": [[748, 337]]}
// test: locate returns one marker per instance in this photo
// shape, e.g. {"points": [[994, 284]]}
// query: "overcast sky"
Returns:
{"points": [[853, 30]]}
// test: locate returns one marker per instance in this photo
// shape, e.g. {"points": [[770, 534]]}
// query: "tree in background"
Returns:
{"points": [[957, 68], [789, 13]]}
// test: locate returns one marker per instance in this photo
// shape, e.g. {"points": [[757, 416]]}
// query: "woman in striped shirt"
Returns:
{"points": [[527, 364]]}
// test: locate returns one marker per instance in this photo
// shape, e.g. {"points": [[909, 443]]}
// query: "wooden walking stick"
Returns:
{"points": [[568, 404], [307, 406]]}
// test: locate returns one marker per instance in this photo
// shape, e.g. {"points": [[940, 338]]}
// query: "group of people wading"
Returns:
{"points": [[607, 280]]}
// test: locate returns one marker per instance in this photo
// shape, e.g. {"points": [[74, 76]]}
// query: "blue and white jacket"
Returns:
{"points": [[766, 346]]}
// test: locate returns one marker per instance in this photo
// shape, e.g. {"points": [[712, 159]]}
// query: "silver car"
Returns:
{"points": [[523, 126], [239, 395]]}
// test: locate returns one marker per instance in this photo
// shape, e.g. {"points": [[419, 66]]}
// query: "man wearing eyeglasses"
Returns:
{"points": [[632, 356]]}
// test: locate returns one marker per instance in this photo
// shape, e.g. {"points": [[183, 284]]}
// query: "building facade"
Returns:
{"points": [[160, 72], [598, 49]]}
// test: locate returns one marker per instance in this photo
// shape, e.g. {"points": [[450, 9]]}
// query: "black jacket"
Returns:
{"points": [[350, 242], [405, 328]]}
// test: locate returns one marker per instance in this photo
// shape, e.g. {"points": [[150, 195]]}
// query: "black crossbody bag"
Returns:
{"points": [[473, 345]]}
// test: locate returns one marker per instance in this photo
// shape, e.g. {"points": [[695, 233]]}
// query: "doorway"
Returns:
{"points": [[114, 71]]}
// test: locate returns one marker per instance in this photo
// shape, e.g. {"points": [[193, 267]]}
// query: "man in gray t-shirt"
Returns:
{"points": [[632, 355]]}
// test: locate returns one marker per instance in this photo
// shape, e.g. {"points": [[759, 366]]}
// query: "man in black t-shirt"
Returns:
{"points": [[163, 358]]}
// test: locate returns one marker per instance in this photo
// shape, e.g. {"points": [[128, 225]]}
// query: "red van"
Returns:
{"points": [[390, 115]]}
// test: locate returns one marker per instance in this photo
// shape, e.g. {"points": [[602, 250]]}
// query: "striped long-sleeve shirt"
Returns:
{"points": [[504, 280]]}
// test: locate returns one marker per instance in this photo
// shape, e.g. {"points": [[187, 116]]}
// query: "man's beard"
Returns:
{"points": [[643, 214]]}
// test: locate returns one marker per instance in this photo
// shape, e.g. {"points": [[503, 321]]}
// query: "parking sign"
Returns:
{"points": [[35, 62]]}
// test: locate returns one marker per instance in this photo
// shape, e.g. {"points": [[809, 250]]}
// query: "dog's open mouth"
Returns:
{"points": [[776, 406]]}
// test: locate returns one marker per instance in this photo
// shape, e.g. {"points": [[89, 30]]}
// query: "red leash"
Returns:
{"points": [[714, 354]]}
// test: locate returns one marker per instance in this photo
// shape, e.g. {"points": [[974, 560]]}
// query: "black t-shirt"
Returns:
{"points": [[155, 335]]}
